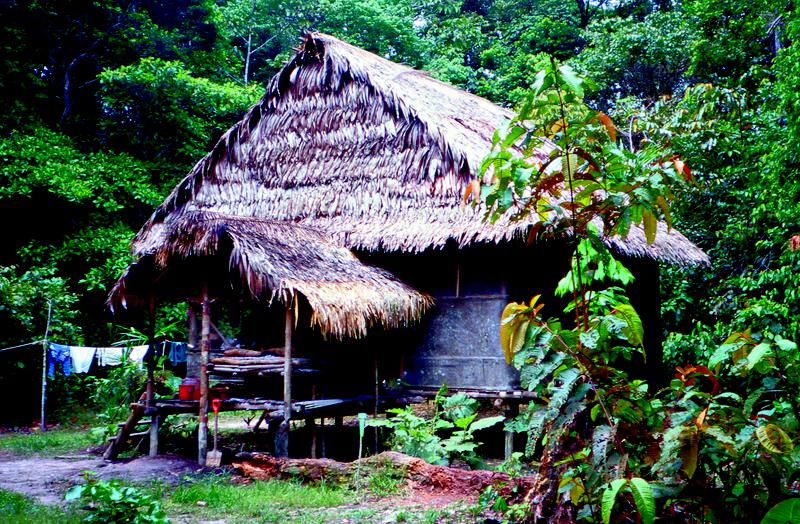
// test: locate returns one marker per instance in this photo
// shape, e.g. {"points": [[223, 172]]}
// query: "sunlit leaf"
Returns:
{"points": [[634, 330], [784, 512], [650, 223], [644, 499], [774, 439], [568, 76], [486, 422], [609, 497]]}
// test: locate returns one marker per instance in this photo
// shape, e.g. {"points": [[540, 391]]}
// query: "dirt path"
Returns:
{"points": [[47, 478]]}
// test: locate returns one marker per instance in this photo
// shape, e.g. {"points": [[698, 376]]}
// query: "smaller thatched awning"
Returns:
{"points": [[277, 260]]}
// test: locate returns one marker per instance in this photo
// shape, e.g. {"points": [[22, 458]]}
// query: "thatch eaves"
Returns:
{"points": [[278, 260], [372, 152]]}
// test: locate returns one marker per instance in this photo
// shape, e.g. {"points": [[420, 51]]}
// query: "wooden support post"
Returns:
{"points": [[322, 434], [192, 359], [154, 422], [511, 411], [311, 424], [202, 430], [377, 397], [151, 364], [45, 349], [282, 438]]}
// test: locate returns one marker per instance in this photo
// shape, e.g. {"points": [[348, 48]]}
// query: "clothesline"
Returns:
{"points": [[22, 345], [79, 359]]}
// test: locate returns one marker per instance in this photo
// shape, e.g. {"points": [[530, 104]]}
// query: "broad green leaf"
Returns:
{"points": [[486, 422], [662, 203], [508, 325], [513, 135], [785, 345], [567, 75], [634, 330], [74, 493], [643, 497], [601, 441], [757, 354], [690, 448], [785, 512], [650, 223], [774, 439], [609, 497], [517, 339], [721, 354]]}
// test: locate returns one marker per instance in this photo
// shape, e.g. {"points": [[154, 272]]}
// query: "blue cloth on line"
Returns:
{"points": [[177, 352], [58, 354]]}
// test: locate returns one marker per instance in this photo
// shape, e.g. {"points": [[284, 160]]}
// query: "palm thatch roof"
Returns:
{"points": [[280, 259], [346, 150], [372, 152]]}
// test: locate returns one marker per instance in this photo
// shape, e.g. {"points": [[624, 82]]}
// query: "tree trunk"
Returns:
{"points": [[418, 472]]}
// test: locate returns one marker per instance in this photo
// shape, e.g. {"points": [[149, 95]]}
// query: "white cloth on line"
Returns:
{"points": [[109, 356], [137, 353], [81, 358]]}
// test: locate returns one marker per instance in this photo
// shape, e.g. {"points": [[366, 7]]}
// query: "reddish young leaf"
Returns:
{"points": [[682, 168], [606, 120]]}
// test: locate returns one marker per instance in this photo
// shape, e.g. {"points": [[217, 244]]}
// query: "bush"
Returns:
{"points": [[112, 502]]}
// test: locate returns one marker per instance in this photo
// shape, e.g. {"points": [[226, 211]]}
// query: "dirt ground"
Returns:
{"points": [[46, 479]]}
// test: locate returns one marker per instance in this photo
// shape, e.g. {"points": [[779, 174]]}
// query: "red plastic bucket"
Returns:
{"points": [[186, 392]]}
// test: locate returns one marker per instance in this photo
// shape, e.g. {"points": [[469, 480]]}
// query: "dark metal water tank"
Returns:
{"points": [[461, 346]]}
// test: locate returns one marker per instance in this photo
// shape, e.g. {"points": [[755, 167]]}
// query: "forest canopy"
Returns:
{"points": [[108, 104]]}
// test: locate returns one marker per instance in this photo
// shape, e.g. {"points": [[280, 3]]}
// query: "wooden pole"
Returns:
{"points": [[202, 430], [377, 397], [151, 364], [42, 421], [282, 438]]}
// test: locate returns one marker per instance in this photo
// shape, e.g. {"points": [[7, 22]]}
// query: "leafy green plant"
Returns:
{"points": [[112, 501], [590, 423], [783, 513], [454, 416], [642, 496], [602, 438], [504, 500]]}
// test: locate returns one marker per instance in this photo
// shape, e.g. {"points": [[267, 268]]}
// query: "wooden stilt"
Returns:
{"points": [[202, 430], [282, 438], [377, 397], [311, 424], [511, 411], [322, 434], [151, 364], [192, 358], [154, 422]]}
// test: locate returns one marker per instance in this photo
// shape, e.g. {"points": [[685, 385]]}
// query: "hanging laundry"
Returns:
{"points": [[82, 358], [58, 354], [109, 356], [177, 352], [137, 353]]}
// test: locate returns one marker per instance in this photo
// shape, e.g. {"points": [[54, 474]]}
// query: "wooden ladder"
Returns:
{"points": [[126, 431]]}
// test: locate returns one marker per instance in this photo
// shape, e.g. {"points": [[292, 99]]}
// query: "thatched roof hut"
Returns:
{"points": [[346, 150]]}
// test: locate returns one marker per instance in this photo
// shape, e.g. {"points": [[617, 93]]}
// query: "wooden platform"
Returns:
{"points": [[272, 411]]}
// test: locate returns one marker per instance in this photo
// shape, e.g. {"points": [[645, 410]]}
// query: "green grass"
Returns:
{"points": [[52, 442], [260, 501], [15, 508]]}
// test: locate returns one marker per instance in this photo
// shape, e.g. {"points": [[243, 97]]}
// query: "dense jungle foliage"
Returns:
{"points": [[107, 104]]}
